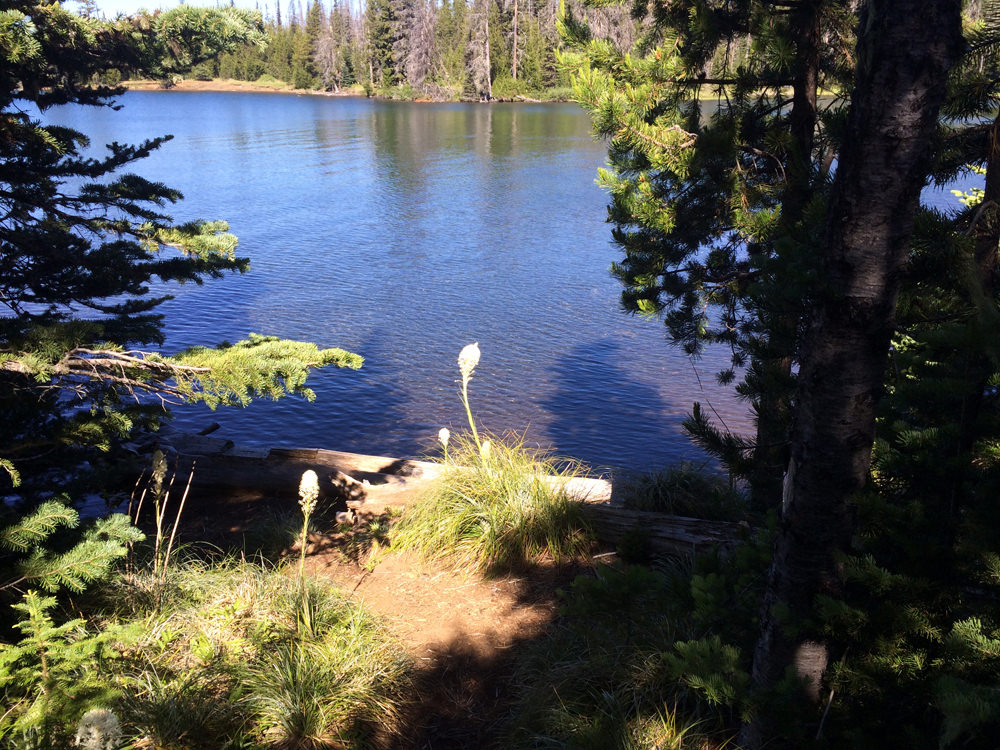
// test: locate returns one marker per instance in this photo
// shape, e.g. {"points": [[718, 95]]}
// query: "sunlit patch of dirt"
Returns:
{"points": [[463, 632]]}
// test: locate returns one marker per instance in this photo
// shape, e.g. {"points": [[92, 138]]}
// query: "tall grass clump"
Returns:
{"points": [[229, 659], [498, 505], [331, 689], [496, 512]]}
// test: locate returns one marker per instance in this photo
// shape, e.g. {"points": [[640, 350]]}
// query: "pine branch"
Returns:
{"points": [[33, 530], [88, 561]]}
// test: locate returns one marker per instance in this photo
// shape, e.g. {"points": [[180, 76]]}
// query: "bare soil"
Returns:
{"points": [[228, 84], [463, 632]]}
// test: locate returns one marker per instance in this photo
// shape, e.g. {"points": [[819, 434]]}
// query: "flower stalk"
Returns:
{"points": [[308, 497], [468, 358], [443, 436]]}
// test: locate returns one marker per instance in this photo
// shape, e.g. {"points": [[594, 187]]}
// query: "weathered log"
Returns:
{"points": [[373, 484], [221, 464], [665, 534]]}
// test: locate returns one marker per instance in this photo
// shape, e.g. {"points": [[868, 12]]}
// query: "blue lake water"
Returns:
{"points": [[403, 232]]}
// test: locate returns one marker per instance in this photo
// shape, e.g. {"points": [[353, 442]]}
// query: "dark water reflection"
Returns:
{"points": [[404, 232]]}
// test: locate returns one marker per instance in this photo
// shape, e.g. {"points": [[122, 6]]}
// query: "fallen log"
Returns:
{"points": [[664, 534], [370, 485]]}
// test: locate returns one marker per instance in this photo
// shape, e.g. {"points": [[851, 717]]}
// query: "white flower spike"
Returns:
{"points": [[443, 435], [308, 491], [99, 729], [468, 358]]}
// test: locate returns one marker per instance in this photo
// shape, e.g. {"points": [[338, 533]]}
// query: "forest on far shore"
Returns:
{"points": [[409, 49]]}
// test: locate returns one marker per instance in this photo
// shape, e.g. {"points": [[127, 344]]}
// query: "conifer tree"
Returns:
{"points": [[712, 208], [918, 621], [453, 40], [305, 46], [480, 64], [897, 617], [381, 29], [900, 84], [421, 55], [78, 235], [333, 50]]}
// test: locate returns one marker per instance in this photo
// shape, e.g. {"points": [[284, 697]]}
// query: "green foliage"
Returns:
{"points": [[628, 667], [28, 560], [685, 490], [259, 367], [53, 675], [404, 50], [225, 658], [711, 668], [181, 38], [498, 511], [717, 176], [916, 629], [315, 692]]}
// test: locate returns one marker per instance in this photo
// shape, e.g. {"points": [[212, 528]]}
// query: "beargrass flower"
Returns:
{"points": [[308, 492], [468, 358], [99, 729], [308, 495]]}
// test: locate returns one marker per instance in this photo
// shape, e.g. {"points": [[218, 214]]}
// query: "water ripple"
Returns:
{"points": [[403, 232]]}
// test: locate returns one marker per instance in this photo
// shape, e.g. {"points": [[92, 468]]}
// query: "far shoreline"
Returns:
{"points": [[229, 85]]}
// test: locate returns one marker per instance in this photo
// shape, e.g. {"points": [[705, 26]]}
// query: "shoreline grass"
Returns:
{"points": [[496, 509], [224, 659]]}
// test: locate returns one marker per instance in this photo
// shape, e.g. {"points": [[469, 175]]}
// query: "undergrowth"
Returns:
{"points": [[496, 512], [644, 657], [238, 654], [498, 505], [685, 490]]}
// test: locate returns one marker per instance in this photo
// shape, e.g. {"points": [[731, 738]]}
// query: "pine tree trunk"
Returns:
{"points": [[905, 49], [513, 66], [489, 65], [770, 457]]}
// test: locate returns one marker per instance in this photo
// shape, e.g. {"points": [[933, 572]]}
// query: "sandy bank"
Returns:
{"points": [[230, 85], [225, 84]]}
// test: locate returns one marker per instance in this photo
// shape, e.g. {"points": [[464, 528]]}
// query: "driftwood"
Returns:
{"points": [[372, 484], [221, 464]]}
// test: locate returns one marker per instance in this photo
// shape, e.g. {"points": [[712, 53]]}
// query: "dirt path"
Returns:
{"points": [[463, 633], [428, 606]]}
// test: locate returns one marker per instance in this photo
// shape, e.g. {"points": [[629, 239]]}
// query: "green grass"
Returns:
{"points": [[236, 654], [496, 513], [271, 82], [685, 490]]}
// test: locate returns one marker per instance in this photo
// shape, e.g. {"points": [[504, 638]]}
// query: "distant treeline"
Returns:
{"points": [[419, 48], [436, 49]]}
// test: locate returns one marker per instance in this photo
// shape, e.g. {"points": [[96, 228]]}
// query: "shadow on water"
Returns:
{"points": [[604, 407]]}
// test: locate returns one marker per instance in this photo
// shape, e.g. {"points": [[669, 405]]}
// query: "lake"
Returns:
{"points": [[403, 232]]}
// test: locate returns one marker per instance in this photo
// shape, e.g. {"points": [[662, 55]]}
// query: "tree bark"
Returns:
{"points": [[905, 50], [770, 456], [513, 66]]}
